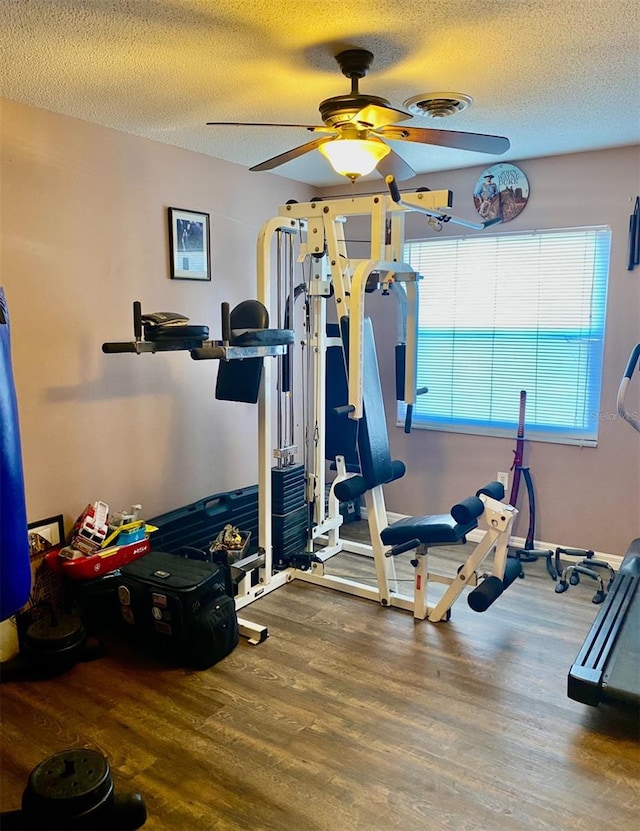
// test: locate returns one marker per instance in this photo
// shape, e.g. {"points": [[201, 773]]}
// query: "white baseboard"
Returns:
{"points": [[477, 534]]}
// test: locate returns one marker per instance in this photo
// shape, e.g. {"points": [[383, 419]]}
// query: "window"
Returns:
{"points": [[501, 314]]}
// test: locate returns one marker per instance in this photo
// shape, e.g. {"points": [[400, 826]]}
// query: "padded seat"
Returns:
{"points": [[262, 337], [185, 331], [437, 529]]}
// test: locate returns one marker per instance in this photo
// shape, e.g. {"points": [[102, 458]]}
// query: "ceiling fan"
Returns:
{"points": [[356, 124]]}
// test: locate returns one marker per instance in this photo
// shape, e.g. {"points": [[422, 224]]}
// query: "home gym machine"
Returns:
{"points": [[344, 419], [342, 411], [607, 668]]}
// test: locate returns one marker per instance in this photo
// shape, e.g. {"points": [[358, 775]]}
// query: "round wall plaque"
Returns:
{"points": [[501, 192]]}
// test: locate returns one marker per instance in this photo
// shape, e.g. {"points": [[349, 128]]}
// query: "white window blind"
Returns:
{"points": [[500, 314]]}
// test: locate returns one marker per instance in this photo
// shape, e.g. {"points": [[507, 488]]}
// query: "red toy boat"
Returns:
{"points": [[104, 560]]}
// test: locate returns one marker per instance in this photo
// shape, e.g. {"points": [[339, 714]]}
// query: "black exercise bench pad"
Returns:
{"points": [[437, 529]]}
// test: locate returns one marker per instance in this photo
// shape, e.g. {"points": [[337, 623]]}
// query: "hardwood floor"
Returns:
{"points": [[351, 716]]}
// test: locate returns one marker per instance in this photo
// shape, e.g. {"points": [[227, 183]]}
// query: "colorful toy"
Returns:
{"points": [[99, 544]]}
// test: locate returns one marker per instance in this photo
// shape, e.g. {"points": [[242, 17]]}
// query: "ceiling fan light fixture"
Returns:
{"points": [[438, 104], [354, 157]]}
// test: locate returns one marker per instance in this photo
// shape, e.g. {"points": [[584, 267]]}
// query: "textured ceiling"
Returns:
{"points": [[554, 76]]}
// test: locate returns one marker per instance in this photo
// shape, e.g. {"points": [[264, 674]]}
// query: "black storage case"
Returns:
{"points": [[195, 526], [179, 608], [189, 531]]}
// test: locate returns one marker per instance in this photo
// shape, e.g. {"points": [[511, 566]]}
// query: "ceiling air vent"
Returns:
{"points": [[438, 104]]}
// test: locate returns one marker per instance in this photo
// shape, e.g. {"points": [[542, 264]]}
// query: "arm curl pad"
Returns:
{"points": [[467, 510], [493, 489]]}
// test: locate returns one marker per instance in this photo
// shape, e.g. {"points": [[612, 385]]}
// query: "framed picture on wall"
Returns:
{"points": [[46, 584], [45, 534], [189, 245]]}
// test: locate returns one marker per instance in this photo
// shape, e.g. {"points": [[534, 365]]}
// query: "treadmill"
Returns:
{"points": [[607, 668]]}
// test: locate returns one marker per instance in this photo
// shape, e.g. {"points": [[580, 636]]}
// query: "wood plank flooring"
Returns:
{"points": [[352, 717]]}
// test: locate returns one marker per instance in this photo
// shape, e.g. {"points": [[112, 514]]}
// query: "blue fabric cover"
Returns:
{"points": [[15, 568]]}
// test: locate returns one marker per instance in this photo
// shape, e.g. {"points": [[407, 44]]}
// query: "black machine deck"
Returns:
{"points": [[607, 667]]}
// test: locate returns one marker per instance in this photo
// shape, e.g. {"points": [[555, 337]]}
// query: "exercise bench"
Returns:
{"points": [[364, 445], [422, 533]]}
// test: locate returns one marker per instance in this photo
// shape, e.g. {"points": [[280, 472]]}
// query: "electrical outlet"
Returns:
{"points": [[503, 478]]}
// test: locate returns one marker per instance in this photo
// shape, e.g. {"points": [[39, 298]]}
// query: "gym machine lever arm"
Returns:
{"points": [[402, 547], [439, 214], [408, 417]]}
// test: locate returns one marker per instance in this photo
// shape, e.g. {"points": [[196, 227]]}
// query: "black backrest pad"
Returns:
{"points": [[240, 380], [250, 314], [341, 431], [373, 441]]}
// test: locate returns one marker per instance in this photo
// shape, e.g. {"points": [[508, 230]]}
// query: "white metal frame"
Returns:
{"points": [[319, 230]]}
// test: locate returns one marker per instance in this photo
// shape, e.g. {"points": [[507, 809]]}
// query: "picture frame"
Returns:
{"points": [[45, 534], [189, 244], [46, 585]]}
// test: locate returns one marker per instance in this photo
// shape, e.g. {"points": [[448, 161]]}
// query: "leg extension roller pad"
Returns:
{"points": [[492, 587]]}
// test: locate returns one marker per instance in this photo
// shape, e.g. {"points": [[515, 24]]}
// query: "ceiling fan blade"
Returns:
{"points": [[256, 124], [394, 165], [476, 142], [379, 116], [292, 154]]}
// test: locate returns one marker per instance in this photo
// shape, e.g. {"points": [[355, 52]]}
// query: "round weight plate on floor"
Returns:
{"points": [[68, 784], [62, 633]]}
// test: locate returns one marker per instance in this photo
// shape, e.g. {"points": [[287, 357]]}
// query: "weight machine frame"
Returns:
{"points": [[318, 227]]}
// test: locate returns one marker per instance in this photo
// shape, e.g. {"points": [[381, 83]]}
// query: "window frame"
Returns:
{"points": [[582, 434]]}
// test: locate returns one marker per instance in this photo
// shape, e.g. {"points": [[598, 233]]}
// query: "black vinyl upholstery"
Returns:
{"points": [[370, 432], [438, 529], [240, 380]]}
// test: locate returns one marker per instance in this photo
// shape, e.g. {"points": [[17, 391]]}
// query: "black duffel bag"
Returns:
{"points": [[179, 608]]}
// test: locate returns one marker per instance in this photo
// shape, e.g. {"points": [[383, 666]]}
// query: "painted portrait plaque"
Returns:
{"points": [[501, 192]]}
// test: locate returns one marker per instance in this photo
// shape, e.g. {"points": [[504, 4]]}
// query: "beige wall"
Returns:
{"points": [[84, 234], [588, 497], [83, 216]]}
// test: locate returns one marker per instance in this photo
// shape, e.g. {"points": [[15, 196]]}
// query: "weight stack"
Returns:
{"points": [[289, 514]]}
